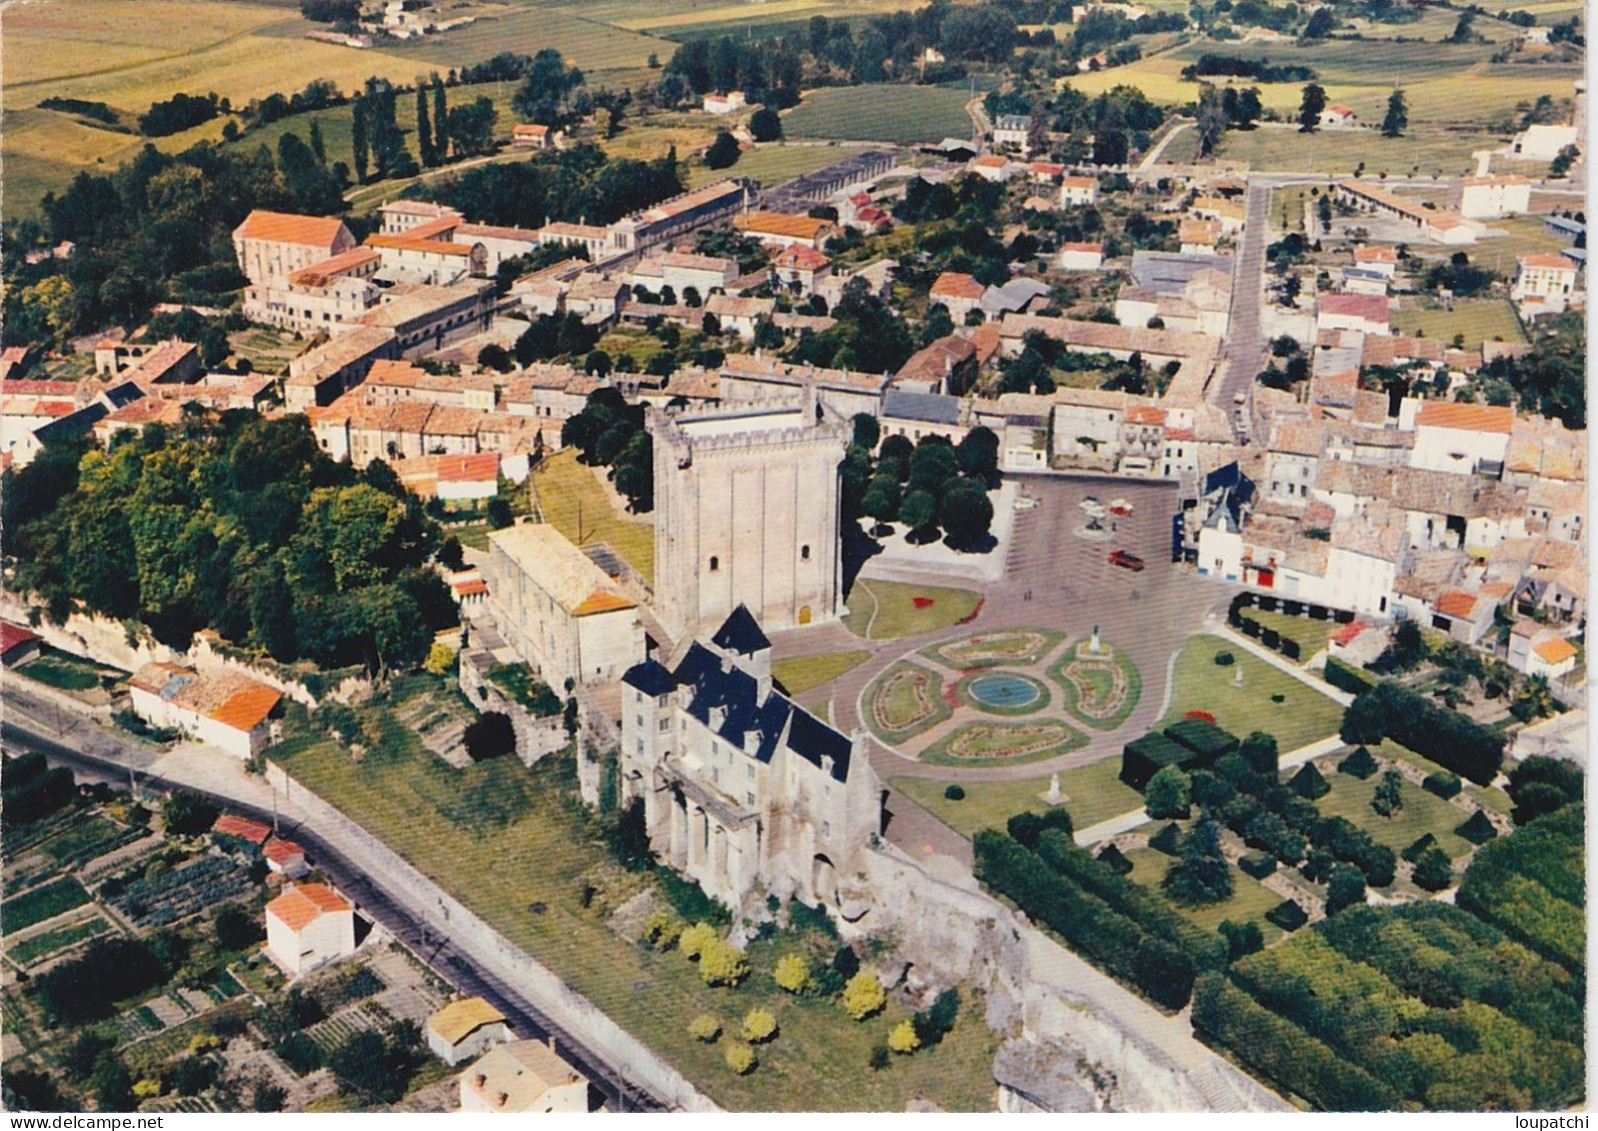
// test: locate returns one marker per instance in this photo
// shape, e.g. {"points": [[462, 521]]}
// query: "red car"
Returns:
{"points": [[1126, 561]]}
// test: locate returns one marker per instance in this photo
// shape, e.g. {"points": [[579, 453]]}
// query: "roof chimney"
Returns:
{"points": [[479, 1080]]}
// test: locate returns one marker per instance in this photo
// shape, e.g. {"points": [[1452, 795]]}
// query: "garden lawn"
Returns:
{"points": [[1490, 796], [1422, 812], [1103, 684], [546, 855], [1249, 903], [1304, 716], [802, 673], [886, 610], [881, 112], [1310, 634], [1481, 321], [1093, 793], [41, 903], [64, 671], [562, 486], [771, 165], [1004, 743]]}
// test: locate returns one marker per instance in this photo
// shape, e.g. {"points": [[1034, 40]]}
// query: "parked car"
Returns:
{"points": [[1126, 561]]}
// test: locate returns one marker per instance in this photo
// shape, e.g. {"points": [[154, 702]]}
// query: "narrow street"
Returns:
{"points": [[1244, 352]]}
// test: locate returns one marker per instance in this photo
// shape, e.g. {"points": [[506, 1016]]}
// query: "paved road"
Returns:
{"points": [[94, 755], [1244, 352], [1153, 157]]}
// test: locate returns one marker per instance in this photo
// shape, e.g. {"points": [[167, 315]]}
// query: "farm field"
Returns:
{"points": [[562, 487], [544, 852], [1282, 148], [1199, 684], [48, 942], [586, 42], [44, 902], [1485, 320], [904, 115], [771, 165], [887, 610]]}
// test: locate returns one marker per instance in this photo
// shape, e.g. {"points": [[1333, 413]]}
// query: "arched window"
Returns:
{"points": [[715, 563], [804, 553]]}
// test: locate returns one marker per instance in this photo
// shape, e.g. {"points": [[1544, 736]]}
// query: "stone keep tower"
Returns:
{"points": [[746, 512]]}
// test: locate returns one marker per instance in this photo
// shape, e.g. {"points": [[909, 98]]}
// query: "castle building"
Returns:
{"points": [[744, 790], [747, 513]]}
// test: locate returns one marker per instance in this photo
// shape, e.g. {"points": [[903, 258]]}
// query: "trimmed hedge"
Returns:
{"points": [[1287, 915], [1144, 757], [1257, 864], [1359, 764], [1421, 844], [1531, 886], [1308, 783], [1346, 677], [1282, 1052], [1167, 839], [1477, 829], [1204, 738], [1447, 737], [1114, 859], [1443, 784]]}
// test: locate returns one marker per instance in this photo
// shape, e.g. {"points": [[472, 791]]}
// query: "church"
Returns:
{"points": [[744, 791]]}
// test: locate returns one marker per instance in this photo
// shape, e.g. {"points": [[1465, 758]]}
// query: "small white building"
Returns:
{"points": [[308, 926], [1488, 197], [992, 167], [1543, 143], [523, 1078], [1011, 130], [1080, 257], [285, 858], [729, 103], [1376, 257], [1367, 314], [531, 135], [465, 1029], [228, 711], [1544, 284], [1336, 117], [1078, 190]]}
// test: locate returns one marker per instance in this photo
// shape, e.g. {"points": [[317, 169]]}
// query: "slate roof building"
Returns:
{"points": [[745, 791]]}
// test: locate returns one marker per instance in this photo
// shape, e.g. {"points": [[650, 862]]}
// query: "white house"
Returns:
{"points": [[1544, 283], [465, 1029], [1080, 257], [1488, 197], [309, 925], [1367, 314], [522, 1078], [1337, 116], [229, 711], [729, 103], [1078, 190], [1460, 438], [285, 858], [1543, 143], [1375, 257], [992, 167], [1011, 130]]}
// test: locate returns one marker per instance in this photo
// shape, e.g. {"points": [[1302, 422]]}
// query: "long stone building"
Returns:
{"points": [[744, 790], [747, 513]]}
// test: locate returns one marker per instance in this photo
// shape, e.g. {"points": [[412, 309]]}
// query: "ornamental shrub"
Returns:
{"points": [[741, 1059], [759, 1025], [863, 995], [722, 964], [693, 940], [954, 792], [1443, 784], [1359, 764], [1224, 659], [902, 1037], [793, 973], [704, 1028], [662, 930]]}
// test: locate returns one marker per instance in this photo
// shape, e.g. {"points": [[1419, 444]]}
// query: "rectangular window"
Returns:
{"points": [[749, 798], [749, 771]]}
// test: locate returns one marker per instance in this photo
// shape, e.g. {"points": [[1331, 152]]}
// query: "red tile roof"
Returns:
{"points": [[1556, 650], [1466, 417], [1370, 308], [953, 284], [286, 227], [482, 467], [13, 635], [242, 828], [280, 851], [1456, 603], [1348, 632], [300, 906]]}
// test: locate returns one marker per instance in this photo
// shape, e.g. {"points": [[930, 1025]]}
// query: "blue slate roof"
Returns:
{"points": [[932, 408], [1168, 274], [740, 633], [718, 683]]}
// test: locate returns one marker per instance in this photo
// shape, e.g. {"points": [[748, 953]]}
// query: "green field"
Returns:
{"points": [[771, 165], [904, 115], [563, 488], [1343, 151], [1422, 812], [587, 43], [1092, 794], [1483, 320], [1199, 684], [64, 671], [544, 857], [78, 836], [46, 902], [800, 674], [885, 610]]}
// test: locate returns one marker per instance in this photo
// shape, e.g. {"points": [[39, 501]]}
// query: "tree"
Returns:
{"points": [[1321, 24], [1540, 785], [759, 1026], [723, 152], [499, 513], [867, 431], [1344, 888], [1534, 700], [1463, 32], [1397, 119], [902, 1037], [765, 125], [1166, 796], [188, 814], [793, 973], [1110, 147], [1433, 870], [267, 1096], [863, 995], [966, 514], [919, 512], [471, 127], [1310, 107], [1364, 721], [496, 357], [693, 940], [881, 500], [441, 131], [1260, 752], [978, 455], [1200, 874], [236, 929], [358, 139], [424, 130], [1389, 796], [490, 735], [546, 86], [1242, 939]]}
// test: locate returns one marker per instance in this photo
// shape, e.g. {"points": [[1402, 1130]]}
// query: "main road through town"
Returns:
{"points": [[95, 755]]}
